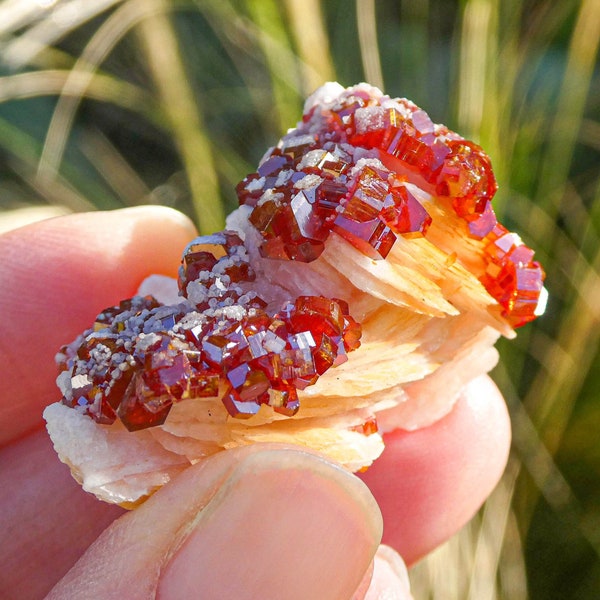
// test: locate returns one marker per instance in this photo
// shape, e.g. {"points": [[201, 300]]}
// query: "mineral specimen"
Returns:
{"points": [[364, 270]]}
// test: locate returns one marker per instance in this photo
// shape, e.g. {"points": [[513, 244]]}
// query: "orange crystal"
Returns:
{"points": [[368, 204]]}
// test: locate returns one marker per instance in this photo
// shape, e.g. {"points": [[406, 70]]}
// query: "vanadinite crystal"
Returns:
{"points": [[140, 357], [345, 169]]}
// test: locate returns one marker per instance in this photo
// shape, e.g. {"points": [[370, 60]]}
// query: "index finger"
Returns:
{"points": [[56, 276]]}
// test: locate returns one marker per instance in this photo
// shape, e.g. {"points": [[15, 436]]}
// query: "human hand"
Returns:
{"points": [[255, 522]]}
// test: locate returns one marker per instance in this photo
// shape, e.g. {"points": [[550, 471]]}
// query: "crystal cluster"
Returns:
{"points": [[141, 357], [344, 169], [361, 165]]}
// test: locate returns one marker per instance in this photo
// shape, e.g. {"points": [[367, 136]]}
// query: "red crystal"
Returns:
{"points": [[328, 197], [274, 248], [225, 349], [137, 305], [467, 177], [357, 200], [332, 165], [412, 151], [404, 214], [170, 377], [203, 384], [284, 399], [373, 238], [369, 427], [352, 334], [141, 408], [293, 147], [262, 216], [327, 353], [309, 225], [273, 164], [102, 411], [297, 363], [376, 127], [482, 224], [214, 263], [317, 315], [238, 408], [512, 277], [248, 383]]}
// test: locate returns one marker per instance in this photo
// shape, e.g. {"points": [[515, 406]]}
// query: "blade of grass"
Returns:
{"points": [[95, 51], [280, 59], [414, 53], [111, 164], [59, 20], [263, 58], [490, 537], [367, 37], [16, 14], [165, 62], [104, 88], [25, 150], [475, 48], [581, 61], [306, 22], [553, 393], [539, 462], [484, 106], [512, 570]]}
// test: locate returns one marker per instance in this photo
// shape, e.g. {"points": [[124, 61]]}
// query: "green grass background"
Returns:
{"points": [[108, 103]]}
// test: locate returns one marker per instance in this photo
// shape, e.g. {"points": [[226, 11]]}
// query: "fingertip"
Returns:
{"points": [[390, 577], [58, 274], [286, 524], [254, 522], [430, 482]]}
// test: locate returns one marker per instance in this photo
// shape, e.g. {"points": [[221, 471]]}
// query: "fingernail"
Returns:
{"points": [[285, 524], [389, 578]]}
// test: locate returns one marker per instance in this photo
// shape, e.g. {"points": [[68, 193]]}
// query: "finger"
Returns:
{"points": [[387, 579], [58, 275], [430, 482], [249, 523], [46, 520]]}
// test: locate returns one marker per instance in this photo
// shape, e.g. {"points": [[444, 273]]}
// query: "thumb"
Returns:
{"points": [[255, 522]]}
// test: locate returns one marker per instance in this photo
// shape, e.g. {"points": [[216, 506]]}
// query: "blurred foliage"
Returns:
{"points": [[108, 103]]}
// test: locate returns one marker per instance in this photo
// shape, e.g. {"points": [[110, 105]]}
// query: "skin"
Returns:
{"points": [[319, 527]]}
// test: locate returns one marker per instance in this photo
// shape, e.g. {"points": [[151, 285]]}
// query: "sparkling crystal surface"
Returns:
{"points": [[346, 145], [140, 357]]}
